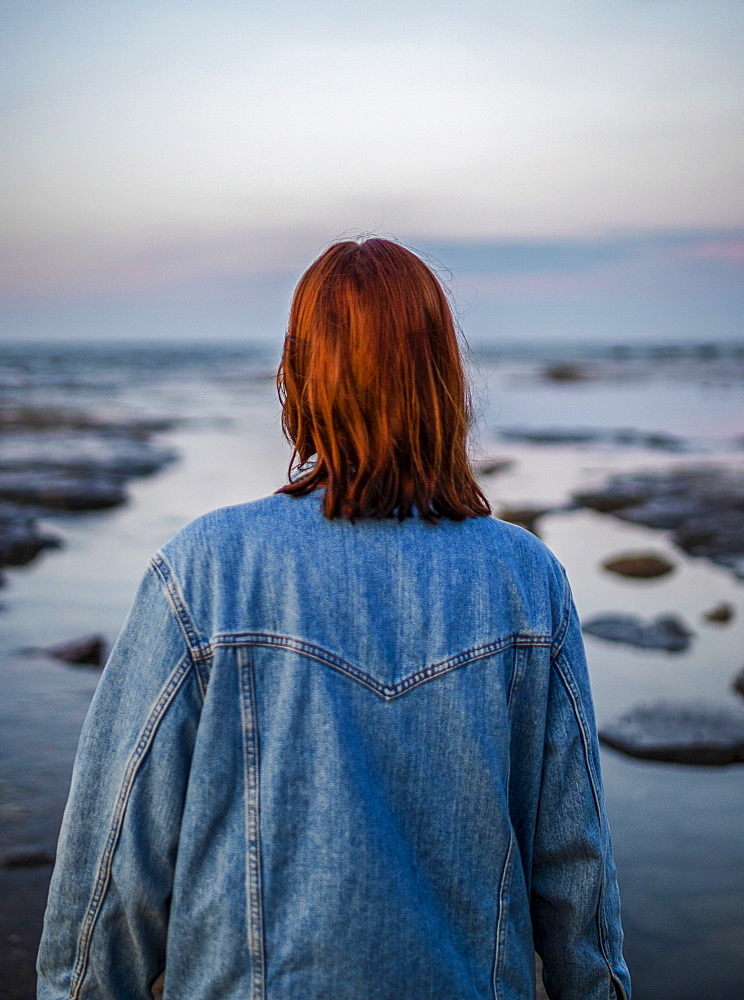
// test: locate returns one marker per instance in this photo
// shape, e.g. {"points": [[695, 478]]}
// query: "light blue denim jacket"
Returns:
{"points": [[335, 761]]}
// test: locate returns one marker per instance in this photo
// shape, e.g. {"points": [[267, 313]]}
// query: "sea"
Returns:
{"points": [[561, 417]]}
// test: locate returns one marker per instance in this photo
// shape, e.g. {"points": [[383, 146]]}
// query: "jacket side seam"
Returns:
{"points": [[499, 956], [565, 675], [168, 693], [253, 825]]}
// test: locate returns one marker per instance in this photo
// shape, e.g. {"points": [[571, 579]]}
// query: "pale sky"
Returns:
{"points": [[165, 162]]}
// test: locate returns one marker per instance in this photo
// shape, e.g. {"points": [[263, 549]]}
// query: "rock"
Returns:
{"points": [[44, 418], [666, 632], [525, 517], [738, 682], [663, 513], [88, 651], [82, 453], [618, 494], [644, 565], [62, 490], [27, 858], [614, 436], [703, 507], [490, 466], [679, 732], [717, 535], [63, 460], [566, 372], [20, 539], [721, 613], [550, 435]]}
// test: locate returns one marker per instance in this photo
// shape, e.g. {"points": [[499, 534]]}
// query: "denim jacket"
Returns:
{"points": [[336, 761]]}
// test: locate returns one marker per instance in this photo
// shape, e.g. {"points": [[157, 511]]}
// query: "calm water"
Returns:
{"points": [[678, 831]]}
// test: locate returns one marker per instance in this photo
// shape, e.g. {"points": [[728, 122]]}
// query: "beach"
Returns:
{"points": [[180, 430]]}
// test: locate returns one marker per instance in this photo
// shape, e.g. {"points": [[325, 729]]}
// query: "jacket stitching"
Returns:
{"points": [[569, 684], [253, 828], [199, 652], [498, 962], [388, 692], [104, 866], [516, 678], [560, 636]]}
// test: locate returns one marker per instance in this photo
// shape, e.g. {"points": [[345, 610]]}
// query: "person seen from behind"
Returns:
{"points": [[344, 747]]}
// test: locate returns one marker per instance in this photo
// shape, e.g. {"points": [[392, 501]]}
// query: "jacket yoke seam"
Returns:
{"points": [[103, 875], [386, 691], [564, 672]]}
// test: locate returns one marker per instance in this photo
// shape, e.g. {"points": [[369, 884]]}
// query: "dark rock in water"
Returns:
{"points": [[618, 494], [679, 732], [490, 466], [703, 507], [88, 651], [666, 632], [525, 517], [663, 513], [44, 418], [622, 436], [719, 536], [27, 858], [738, 682], [20, 539], [643, 565], [566, 372], [82, 453], [62, 460], [550, 435], [61, 490], [721, 613]]}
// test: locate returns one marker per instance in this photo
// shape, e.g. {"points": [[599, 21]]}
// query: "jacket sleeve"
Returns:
{"points": [[107, 914], [575, 902]]}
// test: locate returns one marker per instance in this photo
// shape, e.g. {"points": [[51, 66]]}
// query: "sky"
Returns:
{"points": [[573, 169]]}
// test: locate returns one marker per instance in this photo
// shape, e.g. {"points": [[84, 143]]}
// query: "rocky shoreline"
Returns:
{"points": [[63, 461], [702, 509], [701, 506]]}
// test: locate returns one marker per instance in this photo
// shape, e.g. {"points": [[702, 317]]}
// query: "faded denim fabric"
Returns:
{"points": [[329, 761]]}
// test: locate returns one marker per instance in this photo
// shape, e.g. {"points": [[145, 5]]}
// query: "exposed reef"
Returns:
{"points": [[667, 632], [641, 565], [702, 507], [56, 460], [679, 732]]}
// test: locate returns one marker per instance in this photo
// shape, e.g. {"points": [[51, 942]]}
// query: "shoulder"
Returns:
{"points": [[217, 528], [514, 544]]}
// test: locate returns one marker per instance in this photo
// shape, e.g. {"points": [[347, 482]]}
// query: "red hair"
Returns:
{"points": [[372, 383]]}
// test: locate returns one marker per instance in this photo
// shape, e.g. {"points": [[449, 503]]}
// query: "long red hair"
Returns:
{"points": [[372, 384]]}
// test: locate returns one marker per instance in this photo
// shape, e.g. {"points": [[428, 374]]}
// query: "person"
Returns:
{"points": [[344, 746]]}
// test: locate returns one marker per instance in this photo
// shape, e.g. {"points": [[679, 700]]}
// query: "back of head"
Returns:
{"points": [[372, 384]]}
